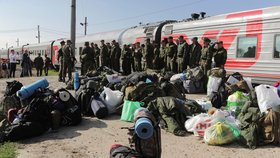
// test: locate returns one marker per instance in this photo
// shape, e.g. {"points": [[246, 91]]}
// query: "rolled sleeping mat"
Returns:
{"points": [[144, 128], [64, 96], [27, 91], [99, 109]]}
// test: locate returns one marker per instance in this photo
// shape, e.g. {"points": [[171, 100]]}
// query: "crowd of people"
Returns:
{"points": [[174, 55], [9, 66]]}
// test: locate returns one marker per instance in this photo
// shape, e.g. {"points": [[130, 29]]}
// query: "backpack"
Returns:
{"points": [[270, 128], [72, 115], [38, 111], [192, 86], [195, 74], [120, 151], [171, 90], [151, 147], [12, 87], [8, 102], [146, 92], [219, 99], [84, 96]]}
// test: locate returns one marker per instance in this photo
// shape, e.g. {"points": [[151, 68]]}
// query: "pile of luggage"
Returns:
{"points": [[239, 113], [29, 111]]}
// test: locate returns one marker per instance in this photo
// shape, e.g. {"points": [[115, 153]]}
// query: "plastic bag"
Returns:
{"points": [[267, 97], [249, 82], [128, 110], [176, 77], [213, 85], [198, 124], [111, 99], [236, 101], [221, 133]]}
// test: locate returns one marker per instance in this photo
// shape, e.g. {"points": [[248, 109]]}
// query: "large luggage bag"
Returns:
{"points": [[193, 87], [99, 109]]}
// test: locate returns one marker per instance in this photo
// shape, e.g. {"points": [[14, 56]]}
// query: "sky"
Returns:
{"points": [[19, 18]]}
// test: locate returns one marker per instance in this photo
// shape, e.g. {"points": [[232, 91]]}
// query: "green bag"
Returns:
{"points": [[129, 107], [236, 101]]}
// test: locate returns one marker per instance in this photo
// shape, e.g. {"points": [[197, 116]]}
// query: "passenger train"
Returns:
{"points": [[252, 39]]}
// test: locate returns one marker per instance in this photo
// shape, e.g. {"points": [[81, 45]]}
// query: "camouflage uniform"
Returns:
{"points": [[104, 55], [171, 52], [182, 56], [206, 59], [138, 59], [60, 60], [87, 59], [68, 61]]}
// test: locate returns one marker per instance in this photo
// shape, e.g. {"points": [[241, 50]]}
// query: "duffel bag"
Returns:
{"points": [[193, 87], [99, 109]]}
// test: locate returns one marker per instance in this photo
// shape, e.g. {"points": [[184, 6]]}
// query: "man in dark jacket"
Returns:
{"points": [[220, 55], [47, 64], [195, 53], [39, 63]]}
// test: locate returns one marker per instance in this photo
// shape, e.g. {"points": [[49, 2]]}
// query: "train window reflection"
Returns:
{"points": [[247, 47], [276, 53]]}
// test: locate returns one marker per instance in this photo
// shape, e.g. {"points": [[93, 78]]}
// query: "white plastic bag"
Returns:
{"points": [[115, 78], [191, 123], [198, 124], [111, 99], [213, 85], [267, 97]]}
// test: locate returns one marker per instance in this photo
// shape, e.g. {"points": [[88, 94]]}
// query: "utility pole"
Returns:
{"points": [[73, 24], [7, 45], [17, 42], [38, 36]]}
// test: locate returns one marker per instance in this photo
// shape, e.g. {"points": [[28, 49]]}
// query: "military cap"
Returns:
{"points": [[181, 36], [206, 40], [86, 43], [102, 41], [113, 41], [62, 42], [68, 41], [170, 37], [148, 39]]}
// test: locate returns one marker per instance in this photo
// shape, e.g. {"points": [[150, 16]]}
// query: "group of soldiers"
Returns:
{"points": [[172, 55]]}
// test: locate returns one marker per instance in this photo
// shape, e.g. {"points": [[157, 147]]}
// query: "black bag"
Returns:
{"points": [[72, 116], [12, 87], [219, 98], [84, 97], [22, 131], [120, 151], [99, 109], [38, 111]]}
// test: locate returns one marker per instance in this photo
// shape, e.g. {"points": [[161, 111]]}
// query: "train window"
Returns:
{"points": [[276, 53], [247, 47], [168, 30]]}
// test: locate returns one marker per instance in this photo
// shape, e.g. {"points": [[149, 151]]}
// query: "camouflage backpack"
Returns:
{"points": [[8, 102]]}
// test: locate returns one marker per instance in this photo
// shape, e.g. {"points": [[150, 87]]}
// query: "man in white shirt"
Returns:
{"points": [[13, 63]]}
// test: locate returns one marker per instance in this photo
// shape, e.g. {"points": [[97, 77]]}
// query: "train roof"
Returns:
{"points": [[218, 19]]}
